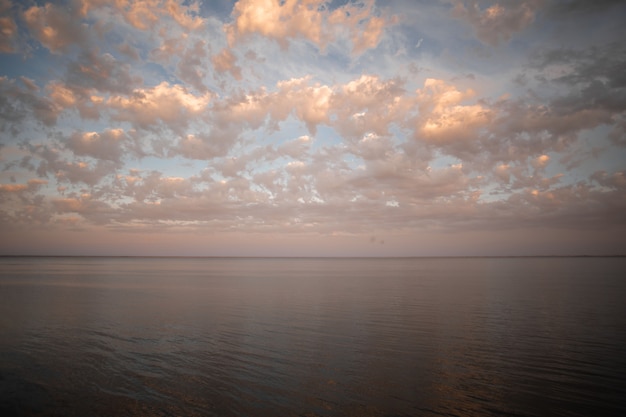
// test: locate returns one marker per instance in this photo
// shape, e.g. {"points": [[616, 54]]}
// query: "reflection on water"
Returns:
{"points": [[312, 337]]}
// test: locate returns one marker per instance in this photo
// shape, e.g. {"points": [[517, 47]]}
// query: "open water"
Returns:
{"points": [[312, 337]]}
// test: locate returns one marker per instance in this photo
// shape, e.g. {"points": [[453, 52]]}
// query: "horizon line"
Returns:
{"points": [[309, 257]]}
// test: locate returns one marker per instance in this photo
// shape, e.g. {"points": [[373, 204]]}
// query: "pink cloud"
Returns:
{"points": [[146, 14], [164, 104], [107, 145], [307, 19], [225, 61]]}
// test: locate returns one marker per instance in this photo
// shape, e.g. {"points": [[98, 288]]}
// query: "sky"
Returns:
{"points": [[313, 128]]}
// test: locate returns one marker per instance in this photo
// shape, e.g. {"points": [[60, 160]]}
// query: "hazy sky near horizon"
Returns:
{"points": [[266, 127]]}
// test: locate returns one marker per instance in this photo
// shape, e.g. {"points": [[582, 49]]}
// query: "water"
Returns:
{"points": [[312, 337]]}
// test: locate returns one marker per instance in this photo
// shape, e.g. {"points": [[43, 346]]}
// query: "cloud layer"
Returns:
{"points": [[316, 121]]}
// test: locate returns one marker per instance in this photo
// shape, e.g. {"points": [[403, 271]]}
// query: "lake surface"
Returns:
{"points": [[312, 337]]}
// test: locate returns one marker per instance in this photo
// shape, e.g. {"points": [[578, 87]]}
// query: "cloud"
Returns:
{"points": [[128, 50], [8, 28], [309, 118], [48, 161], [312, 20], [95, 211], [498, 22], [147, 14], [225, 61], [372, 147], [65, 97], [297, 149], [29, 84], [309, 103], [569, 91], [615, 180], [159, 29], [443, 119], [31, 186], [561, 9], [503, 172], [368, 104], [316, 104], [18, 105], [20, 204], [55, 27], [541, 161], [617, 135], [242, 110], [186, 15], [192, 64], [100, 72], [107, 145], [206, 146], [277, 21], [172, 106], [365, 28], [592, 80]]}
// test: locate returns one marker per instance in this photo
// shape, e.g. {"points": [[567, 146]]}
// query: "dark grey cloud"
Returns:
{"points": [[562, 8], [18, 105], [101, 72]]}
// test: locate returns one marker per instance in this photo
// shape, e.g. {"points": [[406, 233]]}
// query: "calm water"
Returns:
{"points": [[313, 337]]}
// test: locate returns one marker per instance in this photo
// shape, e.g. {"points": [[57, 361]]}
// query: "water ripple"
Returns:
{"points": [[314, 338]]}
